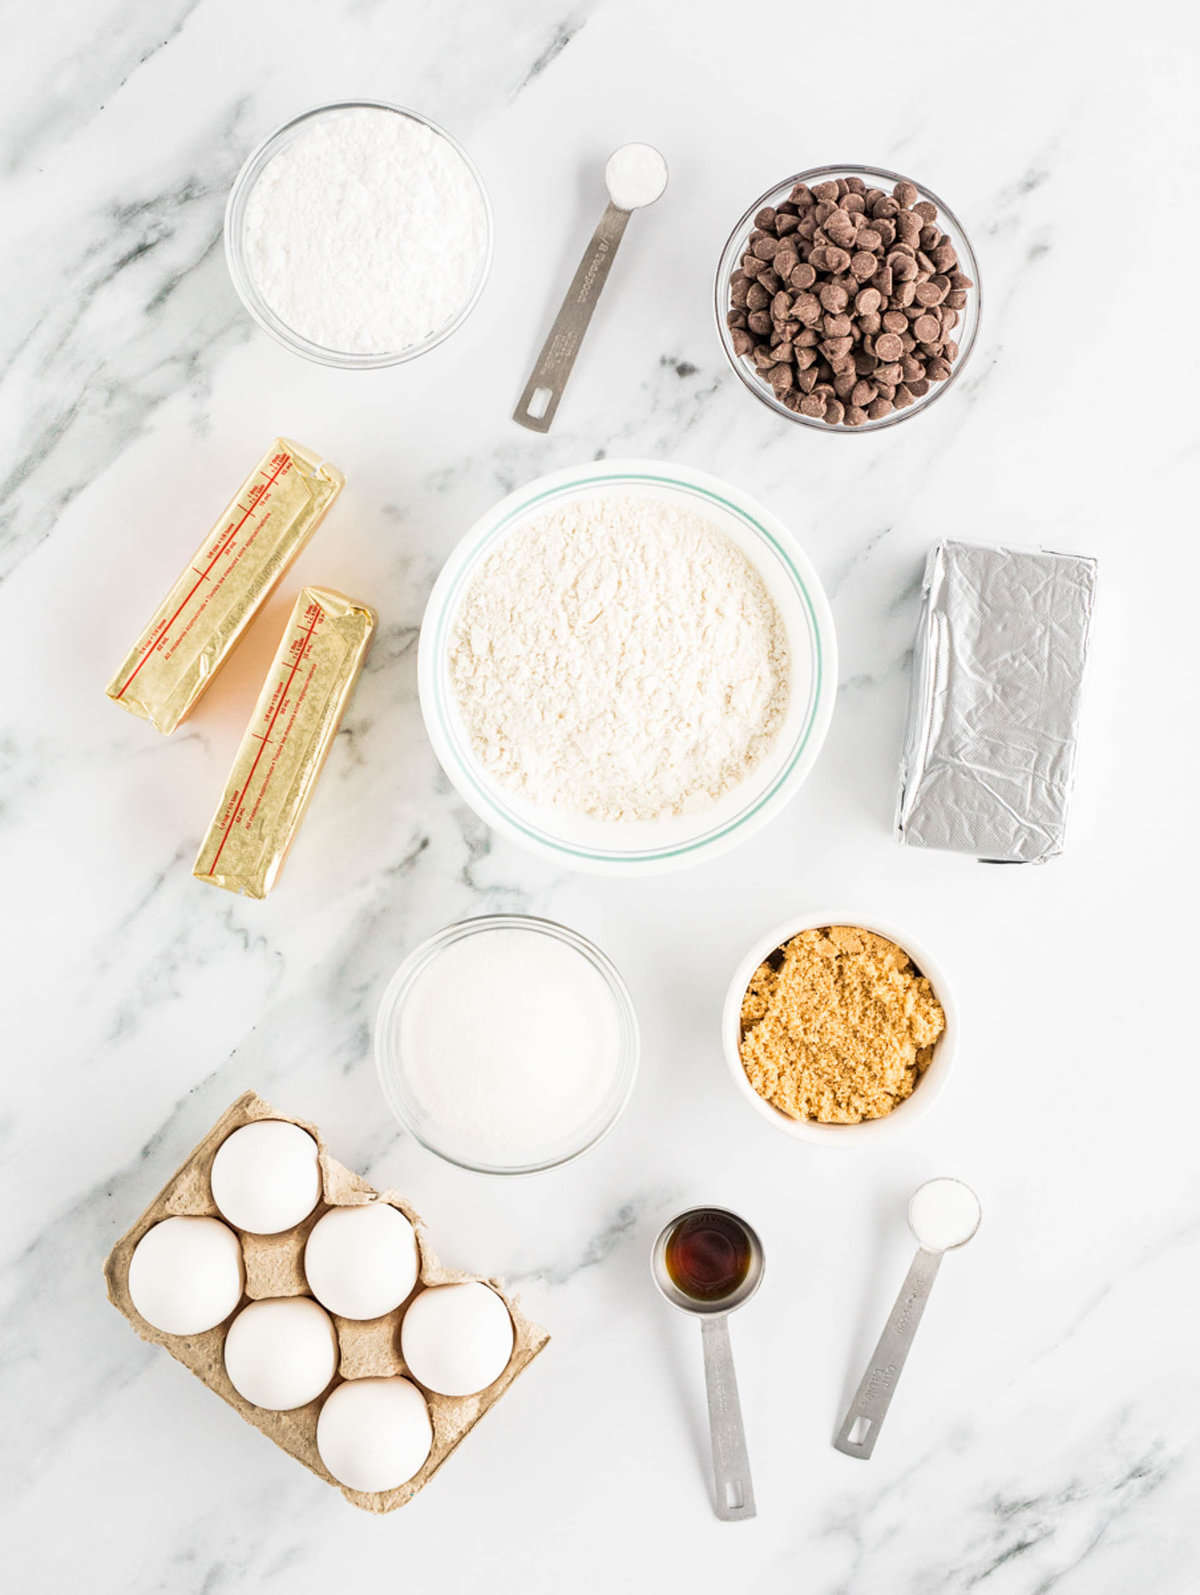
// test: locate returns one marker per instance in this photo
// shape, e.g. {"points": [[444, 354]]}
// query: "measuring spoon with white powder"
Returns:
{"points": [[636, 175], [943, 1215]]}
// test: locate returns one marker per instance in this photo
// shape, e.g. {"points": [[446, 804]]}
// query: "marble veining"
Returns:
{"points": [[1046, 1437]]}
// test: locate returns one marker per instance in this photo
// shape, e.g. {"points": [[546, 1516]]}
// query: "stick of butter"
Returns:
{"points": [[286, 743], [270, 518]]}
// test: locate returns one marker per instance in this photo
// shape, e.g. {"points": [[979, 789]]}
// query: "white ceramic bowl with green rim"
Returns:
{"points": [[639, 847]]}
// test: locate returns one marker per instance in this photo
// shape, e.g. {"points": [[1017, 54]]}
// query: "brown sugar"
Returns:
{"points": [[838, 1026]]}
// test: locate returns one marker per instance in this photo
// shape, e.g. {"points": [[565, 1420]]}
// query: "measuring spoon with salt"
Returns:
{"points": [[943, 1214], [709, 1262], [636, 175]]}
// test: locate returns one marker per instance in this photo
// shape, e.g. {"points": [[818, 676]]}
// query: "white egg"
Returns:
{"points": [[456, 1339], [362, 1261], [374, 1434], [266, 1176], [281, 1353], [186, 1275]]}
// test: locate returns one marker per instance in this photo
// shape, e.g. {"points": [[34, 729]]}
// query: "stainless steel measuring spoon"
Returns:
{"points": [[636, 175], [943, 1214], [734, 1489]]}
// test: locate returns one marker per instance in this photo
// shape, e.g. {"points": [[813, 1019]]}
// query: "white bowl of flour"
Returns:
{"points": [[627, 666], [359, 234]]}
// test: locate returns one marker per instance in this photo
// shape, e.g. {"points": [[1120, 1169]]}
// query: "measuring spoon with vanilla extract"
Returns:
{"points": [[709, 1262]]}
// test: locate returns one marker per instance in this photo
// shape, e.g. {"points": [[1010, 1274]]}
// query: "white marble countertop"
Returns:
{"points": [[1045, 1436]]}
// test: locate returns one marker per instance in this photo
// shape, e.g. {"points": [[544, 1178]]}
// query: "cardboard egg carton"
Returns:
{"points": [[275, 1267]]}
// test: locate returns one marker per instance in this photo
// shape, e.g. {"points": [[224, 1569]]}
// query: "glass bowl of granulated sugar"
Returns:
{"points": [[507, 1044], [627, 666], [359, 234]]}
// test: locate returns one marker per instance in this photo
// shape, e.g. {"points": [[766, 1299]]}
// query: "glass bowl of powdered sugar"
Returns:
{"points": [[359, 234], [628, 666], [507, 1044]]}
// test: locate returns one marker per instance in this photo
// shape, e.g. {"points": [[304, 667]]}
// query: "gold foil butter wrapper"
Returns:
{"points": [[286, 743], [269, 520]]}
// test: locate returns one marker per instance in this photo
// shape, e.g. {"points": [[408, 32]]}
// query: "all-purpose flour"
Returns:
{"points": [[620, 658], [367, 233]]}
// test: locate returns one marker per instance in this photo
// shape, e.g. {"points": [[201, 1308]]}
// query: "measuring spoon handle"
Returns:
{"points": [[545, 387], [861, 1425], [734, 1497]]}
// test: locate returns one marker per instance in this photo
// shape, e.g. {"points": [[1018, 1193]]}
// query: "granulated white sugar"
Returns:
{"points": [[511, 1044], [367, 233], [620, 658]]}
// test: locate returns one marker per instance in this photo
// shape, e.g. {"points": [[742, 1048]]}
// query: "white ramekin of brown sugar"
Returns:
{"points": [[839, 1077]]}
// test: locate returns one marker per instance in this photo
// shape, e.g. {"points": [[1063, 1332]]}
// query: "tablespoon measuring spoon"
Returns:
{"points": [[712, 1251], [943, 1214], [635, 175]]}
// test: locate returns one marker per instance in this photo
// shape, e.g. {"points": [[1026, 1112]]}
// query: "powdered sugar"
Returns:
{"points": [[619, 658], [367, 233]]}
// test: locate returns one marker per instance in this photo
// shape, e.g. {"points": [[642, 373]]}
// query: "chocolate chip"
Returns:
{"points": [[887, 345], [878, 408], [807, 308], [926, 328]]}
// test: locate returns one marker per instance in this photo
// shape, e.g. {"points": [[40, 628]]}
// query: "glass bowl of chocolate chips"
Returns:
{"points": [[848, 297]]}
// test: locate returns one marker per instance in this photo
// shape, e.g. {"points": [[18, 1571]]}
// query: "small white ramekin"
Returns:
{"points": [[902, 1117]]}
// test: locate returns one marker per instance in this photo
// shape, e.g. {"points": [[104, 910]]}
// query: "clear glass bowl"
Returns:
{"points": [[395, 1079], [640, 847], [247, 289], [874, 177]]}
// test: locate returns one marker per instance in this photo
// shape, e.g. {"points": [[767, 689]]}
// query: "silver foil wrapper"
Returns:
{"points": [[989, 753]]}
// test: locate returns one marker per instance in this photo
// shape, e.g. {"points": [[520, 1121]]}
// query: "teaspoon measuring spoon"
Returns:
{"points": [[734, 1489], [943, 1215], [636, 175]]}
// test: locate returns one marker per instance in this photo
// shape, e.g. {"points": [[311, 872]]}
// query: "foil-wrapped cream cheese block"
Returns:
{"points": [[989, 753], [286, 743], [268, 521]]}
